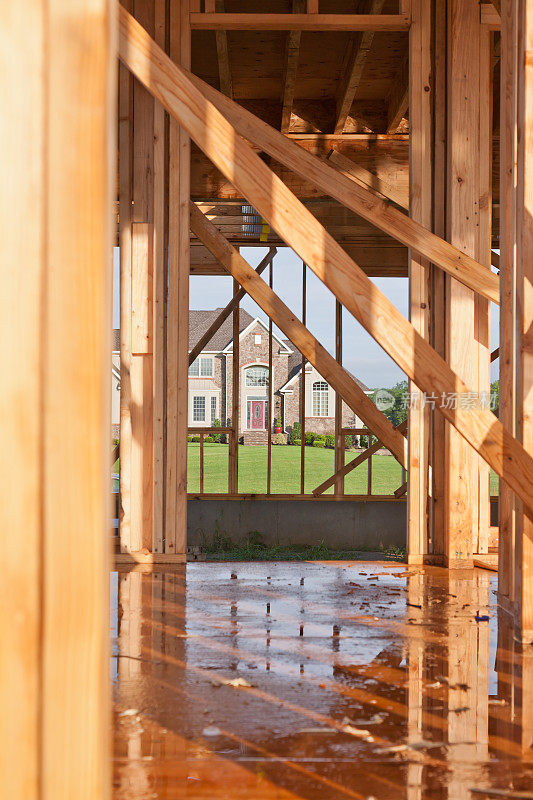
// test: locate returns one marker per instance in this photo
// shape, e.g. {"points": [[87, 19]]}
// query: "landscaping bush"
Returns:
{"points": [[216, 436], [330, 441], [296, 433], [297, 442], [309, 437], [189, 438], [279, 438], [320, 437], [319, 443], [195, 438], [209, 439], [349, 442]]}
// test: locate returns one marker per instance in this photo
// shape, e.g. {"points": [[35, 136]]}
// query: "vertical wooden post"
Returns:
{"points": [[524, 308], [235, 400], [507, 361], [58, 80], [339, 438], [177, 303], [270, 388], [462, 464], [302, 383], [438, 277], [420, 205], [125, 143]]}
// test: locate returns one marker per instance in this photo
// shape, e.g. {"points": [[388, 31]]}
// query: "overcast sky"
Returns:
{"points": [[361, 355]]}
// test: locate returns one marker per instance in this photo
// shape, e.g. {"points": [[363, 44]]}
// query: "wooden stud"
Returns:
{"points": [[329, 261], [177, 304], [508, 340], [224, 314], [270, 387], [302, 383], [420, 183], [292, 57], [326, 365], [462, 497], [354, 62], [125, 131], [399, 96], [58, 81], [224, 69], [235, 398], [524, 310], [339, 437], [159, 302], [437, 276]]}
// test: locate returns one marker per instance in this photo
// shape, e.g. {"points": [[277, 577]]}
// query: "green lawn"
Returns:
{"points": [[386, 472]]}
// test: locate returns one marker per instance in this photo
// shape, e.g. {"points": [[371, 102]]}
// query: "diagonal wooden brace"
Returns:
{"points": [[347, 468], [282, 316], [224, 314]]}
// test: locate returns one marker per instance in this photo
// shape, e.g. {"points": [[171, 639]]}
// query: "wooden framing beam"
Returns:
{"points": [[299, 335], [354, 62], [215, 135], [355, 197], [490, 17], [399, 98], [292, 57], [347, 468], [57, 81], [224, 69], [224, 314], [418, 73], [177, 304], [507, 507], [298, 22], [375, 184]]}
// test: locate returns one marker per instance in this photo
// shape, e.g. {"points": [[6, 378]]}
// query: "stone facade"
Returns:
{"points": [[213, 388]]}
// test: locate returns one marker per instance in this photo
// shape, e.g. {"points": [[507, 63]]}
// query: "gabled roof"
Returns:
{"points": [[295, 368], [199, 322], [283, 343]]}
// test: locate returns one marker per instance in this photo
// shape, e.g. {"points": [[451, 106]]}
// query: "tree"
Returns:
{"points": [[397, 407]]}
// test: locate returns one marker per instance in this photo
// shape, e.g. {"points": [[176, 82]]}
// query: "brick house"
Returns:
{"points": [[210, 381]]}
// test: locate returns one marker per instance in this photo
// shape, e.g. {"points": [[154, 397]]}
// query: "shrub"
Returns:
{"points": [[319, 437], [319, 443], [216, 436], [209, 439], [279, 438], [348, 442], [195, 438], [189, 438], [330, 441], [277, 423], [309, 437], [296, 433], [297, 442]]}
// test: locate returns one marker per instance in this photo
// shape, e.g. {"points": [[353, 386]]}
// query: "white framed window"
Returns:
{"points": [[198, 408], [257, 338], [320, 399], [213, 409], [201, 367], [257, 376]]}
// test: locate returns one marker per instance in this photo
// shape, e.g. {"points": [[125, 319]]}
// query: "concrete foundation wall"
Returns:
{"points": [[341, 524]]}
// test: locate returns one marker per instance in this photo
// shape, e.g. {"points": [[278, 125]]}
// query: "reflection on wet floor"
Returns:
{"points": [[317, 680]]}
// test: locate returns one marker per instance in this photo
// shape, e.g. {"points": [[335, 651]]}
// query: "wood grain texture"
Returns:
{"points": [[80, 128], [306, 343], [298, 22], [216, 136], [355, 197]]}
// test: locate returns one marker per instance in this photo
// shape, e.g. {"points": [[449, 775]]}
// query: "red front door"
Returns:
{"points": [[256, 420]]}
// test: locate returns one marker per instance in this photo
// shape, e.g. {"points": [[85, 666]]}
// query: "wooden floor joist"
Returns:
{"points": [[298, 22], [221, 142], [282, 316]]}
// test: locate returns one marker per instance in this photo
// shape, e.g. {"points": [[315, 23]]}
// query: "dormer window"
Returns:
{"points": [[201, 367]]}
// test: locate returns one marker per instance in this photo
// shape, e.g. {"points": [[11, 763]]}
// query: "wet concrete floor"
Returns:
{"points": [[317, 680]]}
